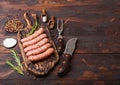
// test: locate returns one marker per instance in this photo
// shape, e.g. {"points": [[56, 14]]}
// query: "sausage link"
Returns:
{"points": [[35, 40], [41, 56], [34, 46], [38, 32], [38, 50]]}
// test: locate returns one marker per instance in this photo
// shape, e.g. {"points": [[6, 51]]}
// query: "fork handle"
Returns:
{"points": [[60, 47]]}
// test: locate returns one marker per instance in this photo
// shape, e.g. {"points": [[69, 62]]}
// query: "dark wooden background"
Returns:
{"points": [[96, 24]]}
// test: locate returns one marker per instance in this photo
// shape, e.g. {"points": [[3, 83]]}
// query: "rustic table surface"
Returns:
{"points": [[96, 24]]}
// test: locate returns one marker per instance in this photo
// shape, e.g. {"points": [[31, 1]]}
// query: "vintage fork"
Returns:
{"points": [[60, 37]]}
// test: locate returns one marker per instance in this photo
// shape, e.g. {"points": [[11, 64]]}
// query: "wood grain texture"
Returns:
{"points": [[96, 24], [84, 67]]}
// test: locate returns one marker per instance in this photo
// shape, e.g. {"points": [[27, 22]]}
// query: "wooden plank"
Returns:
{"points": [[112, 82], [94, 22], [57, 82], [46, 82], [90, 40], [84, 67], [96, 26]]}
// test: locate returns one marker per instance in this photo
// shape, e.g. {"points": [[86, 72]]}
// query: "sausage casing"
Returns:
{"points": [[35, 40], [38, 50], [37, 45], [38, 32], [41, 56]]}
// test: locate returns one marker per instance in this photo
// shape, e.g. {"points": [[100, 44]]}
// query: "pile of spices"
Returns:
{"points": [[13, 25]]}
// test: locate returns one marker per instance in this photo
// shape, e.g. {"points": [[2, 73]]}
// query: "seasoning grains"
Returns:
{"points": [[13, 25], [9, 42]]}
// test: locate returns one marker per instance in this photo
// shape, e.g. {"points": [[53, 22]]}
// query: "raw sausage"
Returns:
{"points": [[35, 40], [41, 56], [38, 32], [37, 46], [34, 46], [38, 50]]}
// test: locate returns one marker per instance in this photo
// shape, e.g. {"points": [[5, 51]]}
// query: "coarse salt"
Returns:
{"points": [[9, 42], [44, 18]]}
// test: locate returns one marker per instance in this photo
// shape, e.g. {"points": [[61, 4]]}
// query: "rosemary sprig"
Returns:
{"points": [[16, 57], [35, 26], [18, 68]]}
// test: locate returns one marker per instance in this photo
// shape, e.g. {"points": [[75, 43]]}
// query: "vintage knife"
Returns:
{"points": [[69, 49]]}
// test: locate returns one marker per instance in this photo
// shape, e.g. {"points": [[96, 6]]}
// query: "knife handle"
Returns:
{"points": [[60, 45], [65, 65]]}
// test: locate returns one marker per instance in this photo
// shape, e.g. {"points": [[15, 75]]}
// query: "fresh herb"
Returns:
{"points": [[16, 57], [35, 26], [17, 68]]}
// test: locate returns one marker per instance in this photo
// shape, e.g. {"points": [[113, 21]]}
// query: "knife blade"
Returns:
{"points": [[69, 49]]}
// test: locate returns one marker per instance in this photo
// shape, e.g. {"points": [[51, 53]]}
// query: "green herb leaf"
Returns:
{"points": [[17, 68], [16, 57], [35, 26], [11, 64]]}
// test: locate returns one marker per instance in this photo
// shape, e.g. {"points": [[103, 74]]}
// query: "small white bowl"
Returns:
{"points": [[9, 42]]}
